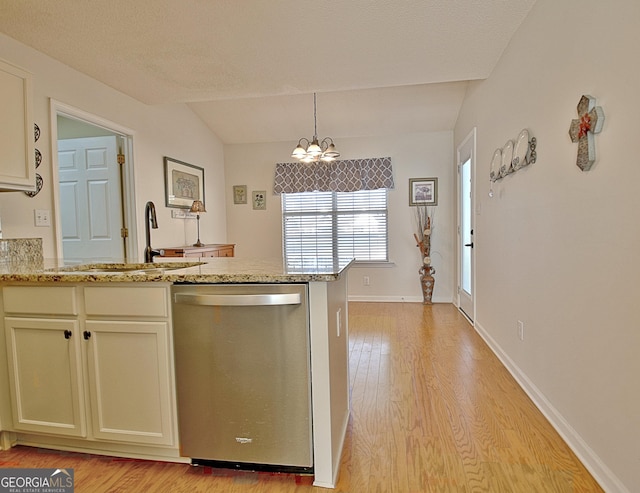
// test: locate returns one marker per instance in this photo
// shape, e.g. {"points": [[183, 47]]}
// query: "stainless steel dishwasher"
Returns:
{"points": [[243, 375]]}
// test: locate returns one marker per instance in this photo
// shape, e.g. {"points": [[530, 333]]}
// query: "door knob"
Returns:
{"points": [[67, 334], [87, 335]]}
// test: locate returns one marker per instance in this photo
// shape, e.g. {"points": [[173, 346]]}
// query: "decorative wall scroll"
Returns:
{"points": [[36, 136], [39, 185], [512, 157], [38, 161], [589, 122]]}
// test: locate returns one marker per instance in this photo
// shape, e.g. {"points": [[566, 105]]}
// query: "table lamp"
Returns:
{"points": [[198, 207]]}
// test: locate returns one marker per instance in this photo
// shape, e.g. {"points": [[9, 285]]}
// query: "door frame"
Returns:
{"points": [[466, 148], [128, 189]]}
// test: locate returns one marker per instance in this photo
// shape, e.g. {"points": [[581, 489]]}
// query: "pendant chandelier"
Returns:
{"points": [[315, 150]]}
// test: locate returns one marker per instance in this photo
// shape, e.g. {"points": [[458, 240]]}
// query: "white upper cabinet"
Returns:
{"points": [[17, 159]]}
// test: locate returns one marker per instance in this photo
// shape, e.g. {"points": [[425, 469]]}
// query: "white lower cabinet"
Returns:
{"points": [[91, 365], [129, 383], [45, 375]]}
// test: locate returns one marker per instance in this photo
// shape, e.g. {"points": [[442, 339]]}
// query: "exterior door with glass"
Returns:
{"points": [[466, 167]]}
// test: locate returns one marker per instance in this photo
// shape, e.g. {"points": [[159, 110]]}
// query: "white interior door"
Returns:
{"points": [[466, 278], [90, 202]]}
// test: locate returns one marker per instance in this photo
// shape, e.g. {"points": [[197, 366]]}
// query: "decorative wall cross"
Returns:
{"points": [[589, 122]]}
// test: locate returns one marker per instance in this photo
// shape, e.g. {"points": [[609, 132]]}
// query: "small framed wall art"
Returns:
{"points": [[259, 199], [183, 183], [423, 191], [239, 194]]}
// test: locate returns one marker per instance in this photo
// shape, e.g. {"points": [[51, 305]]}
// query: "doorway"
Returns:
{"points": [[466, 206], [93, 196]]}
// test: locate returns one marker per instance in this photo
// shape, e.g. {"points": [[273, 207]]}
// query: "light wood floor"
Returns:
{"points": [[433, 410]]}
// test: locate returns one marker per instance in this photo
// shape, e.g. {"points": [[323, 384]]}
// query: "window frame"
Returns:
{"points": [[334, 212]]}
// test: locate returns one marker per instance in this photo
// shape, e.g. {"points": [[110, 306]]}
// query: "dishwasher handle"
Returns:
{"points": [[238, 299]]}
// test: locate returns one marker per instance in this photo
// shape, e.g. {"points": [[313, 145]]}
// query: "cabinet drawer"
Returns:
{"points": [[225, 252], [200, 253], [171, 252], [42, 300], [125, 301]]}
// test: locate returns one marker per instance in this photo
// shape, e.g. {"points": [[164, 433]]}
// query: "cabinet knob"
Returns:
{"points": [[87, 335], [67, 334]]}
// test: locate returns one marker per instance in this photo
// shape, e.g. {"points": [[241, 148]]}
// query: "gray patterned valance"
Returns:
{"points": [[347, 175]]}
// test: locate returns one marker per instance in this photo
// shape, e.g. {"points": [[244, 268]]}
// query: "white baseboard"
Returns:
{"points": [[602, 474], [395, 299]]}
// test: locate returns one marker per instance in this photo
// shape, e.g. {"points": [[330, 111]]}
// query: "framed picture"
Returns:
{"points": [[423, 191], [239, 194], [183, 183], [259, 200]]}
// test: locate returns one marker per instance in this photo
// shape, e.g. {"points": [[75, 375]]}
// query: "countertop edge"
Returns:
{"points": [[169, 278], [191, 275]]}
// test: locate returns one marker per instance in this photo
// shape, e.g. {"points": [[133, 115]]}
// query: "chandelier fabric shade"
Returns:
{"points": [[349, 175]]}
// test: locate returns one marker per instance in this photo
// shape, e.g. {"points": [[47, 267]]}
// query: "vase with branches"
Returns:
{"points": [[424, 223]]}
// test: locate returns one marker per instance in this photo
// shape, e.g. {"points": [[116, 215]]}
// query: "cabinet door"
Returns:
{"points": [[129, 381], [17, 166], [45, 375]]}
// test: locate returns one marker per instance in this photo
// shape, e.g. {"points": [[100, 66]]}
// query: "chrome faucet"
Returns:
{"points": [[149, 217]]}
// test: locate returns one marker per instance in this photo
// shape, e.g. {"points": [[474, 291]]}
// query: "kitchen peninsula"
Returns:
{"points": [[76, 336]]}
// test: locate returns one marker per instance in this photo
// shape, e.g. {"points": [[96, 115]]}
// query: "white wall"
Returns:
{"points": [[170, 130], [557, 247], [420, 155]]}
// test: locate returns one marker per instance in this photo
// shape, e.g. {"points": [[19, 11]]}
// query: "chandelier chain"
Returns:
{"points": [[315, 117]]}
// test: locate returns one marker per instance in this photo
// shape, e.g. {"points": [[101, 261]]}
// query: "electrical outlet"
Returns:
{"points": [[42, 217], [521, 330], [366, 281]]}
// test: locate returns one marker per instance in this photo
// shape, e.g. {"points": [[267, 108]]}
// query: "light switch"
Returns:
{"points": [[42, 217]]}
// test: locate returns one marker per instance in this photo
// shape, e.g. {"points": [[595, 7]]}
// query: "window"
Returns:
{"points": [[319, 227]]}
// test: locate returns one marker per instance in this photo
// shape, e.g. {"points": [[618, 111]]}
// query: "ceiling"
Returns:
{"points": [[249, 68]]}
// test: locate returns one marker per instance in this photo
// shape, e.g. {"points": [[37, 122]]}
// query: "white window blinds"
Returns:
{"points": [[319, 227]]}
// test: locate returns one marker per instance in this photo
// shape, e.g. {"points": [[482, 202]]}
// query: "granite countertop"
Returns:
{"points": [[203, 270]]}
